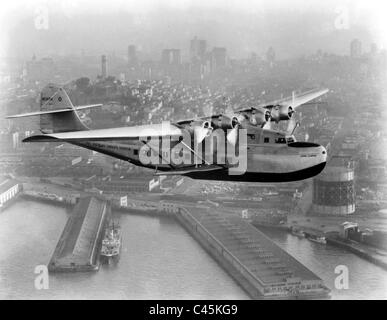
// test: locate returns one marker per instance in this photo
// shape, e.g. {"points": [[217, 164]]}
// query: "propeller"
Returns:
{"points": [[267, 115], [253, 119], [202, 131], [290, 112], [236, 123], [291, 125], [232, 135]]}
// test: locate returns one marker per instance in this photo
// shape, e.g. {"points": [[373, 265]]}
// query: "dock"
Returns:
{"points": [[79, 245], [368, 253], [260, 266]]}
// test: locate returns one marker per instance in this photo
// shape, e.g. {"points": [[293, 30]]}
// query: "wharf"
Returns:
{"points": [[376, 256], [79, 245], [261, 267]]}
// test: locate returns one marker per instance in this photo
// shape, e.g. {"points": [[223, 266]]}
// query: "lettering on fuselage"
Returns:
{"points": [[186, 150]]}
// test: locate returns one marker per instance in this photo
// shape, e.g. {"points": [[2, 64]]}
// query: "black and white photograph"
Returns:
{"points": [[201, 150]]}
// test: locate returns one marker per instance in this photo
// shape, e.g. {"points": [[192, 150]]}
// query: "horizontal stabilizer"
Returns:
{"points": [[39, 113]]}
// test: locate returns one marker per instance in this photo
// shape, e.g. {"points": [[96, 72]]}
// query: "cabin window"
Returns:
{"points": [[135, 152], [251, 136], [266, 140], [280, 140]]}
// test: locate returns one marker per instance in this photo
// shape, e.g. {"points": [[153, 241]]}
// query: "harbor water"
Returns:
{"points": [[159, 260]]}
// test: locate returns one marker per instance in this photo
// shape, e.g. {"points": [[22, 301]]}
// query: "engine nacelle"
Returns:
{"points": [[281, 113], [259, 116], [227, 122]]}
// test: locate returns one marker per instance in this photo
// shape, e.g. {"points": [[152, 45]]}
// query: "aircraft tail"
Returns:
{"points": [[53, 98], [57, 113]]}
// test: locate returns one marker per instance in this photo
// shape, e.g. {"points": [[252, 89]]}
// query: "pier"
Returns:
{"points": [[79, 245], [373, 255], [261, 267]]}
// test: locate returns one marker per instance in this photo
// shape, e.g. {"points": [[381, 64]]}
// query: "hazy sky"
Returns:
{"points": [[292, 27]]}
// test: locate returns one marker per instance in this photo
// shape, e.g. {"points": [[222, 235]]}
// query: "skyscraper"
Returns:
{"points": [[132, 55], [218, 59], [171, 57], [202, 49], [270, 55], [176, 56], [198, 49], [104, 66], [355, 48]]}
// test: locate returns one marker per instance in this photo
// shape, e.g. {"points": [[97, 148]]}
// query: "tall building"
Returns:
{"points": [[198, 49], [218, 59], [171, 57], [270, 55], [104, 66], [355, 48], [132, 55], [176, 56], [202, 49]]}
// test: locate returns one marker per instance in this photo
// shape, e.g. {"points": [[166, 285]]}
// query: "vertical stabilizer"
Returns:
{"points": [[54, 97]]}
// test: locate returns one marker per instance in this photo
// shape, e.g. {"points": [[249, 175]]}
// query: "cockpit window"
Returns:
{"points": [[280, 140]]}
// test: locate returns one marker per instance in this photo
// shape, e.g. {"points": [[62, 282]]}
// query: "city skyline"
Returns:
{"points": [[56, 28]]}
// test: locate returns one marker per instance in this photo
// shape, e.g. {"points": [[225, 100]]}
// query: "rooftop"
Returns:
{"points": [[6, 184]]}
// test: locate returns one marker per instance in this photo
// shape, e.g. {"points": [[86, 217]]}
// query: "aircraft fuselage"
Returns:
{"points": [[270, 157]]}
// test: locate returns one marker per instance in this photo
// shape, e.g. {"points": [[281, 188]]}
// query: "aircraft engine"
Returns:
{"points": [[280, 113], [201, 129], [233, 122], [227, 122], [259, 117]]}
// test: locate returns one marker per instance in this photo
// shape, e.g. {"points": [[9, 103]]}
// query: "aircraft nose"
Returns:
{"points": [[323, 154]]}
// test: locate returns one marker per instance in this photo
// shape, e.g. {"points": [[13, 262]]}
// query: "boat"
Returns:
{"points": [[111, 243], [318, 239], [298, 233]]}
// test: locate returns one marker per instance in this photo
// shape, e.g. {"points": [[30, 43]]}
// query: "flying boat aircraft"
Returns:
{"points": [[267, 155]]}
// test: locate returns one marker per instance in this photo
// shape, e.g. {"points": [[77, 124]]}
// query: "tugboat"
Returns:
{"points": [[297, 232], [318, 239], [111, 243]]}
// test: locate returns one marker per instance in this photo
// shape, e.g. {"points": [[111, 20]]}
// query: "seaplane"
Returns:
{"points": [[231, 146]]}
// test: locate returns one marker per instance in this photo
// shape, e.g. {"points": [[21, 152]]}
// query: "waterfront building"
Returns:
{"points": [[334, 188], [9, 188]]}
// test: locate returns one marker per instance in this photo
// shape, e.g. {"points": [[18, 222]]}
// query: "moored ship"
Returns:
{"points": [[111, 243], [316, 238], [298, 233]]}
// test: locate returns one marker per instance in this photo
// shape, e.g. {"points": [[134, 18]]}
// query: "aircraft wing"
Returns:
{"points": [[291, 101], [153, 130], [297, 100]]}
